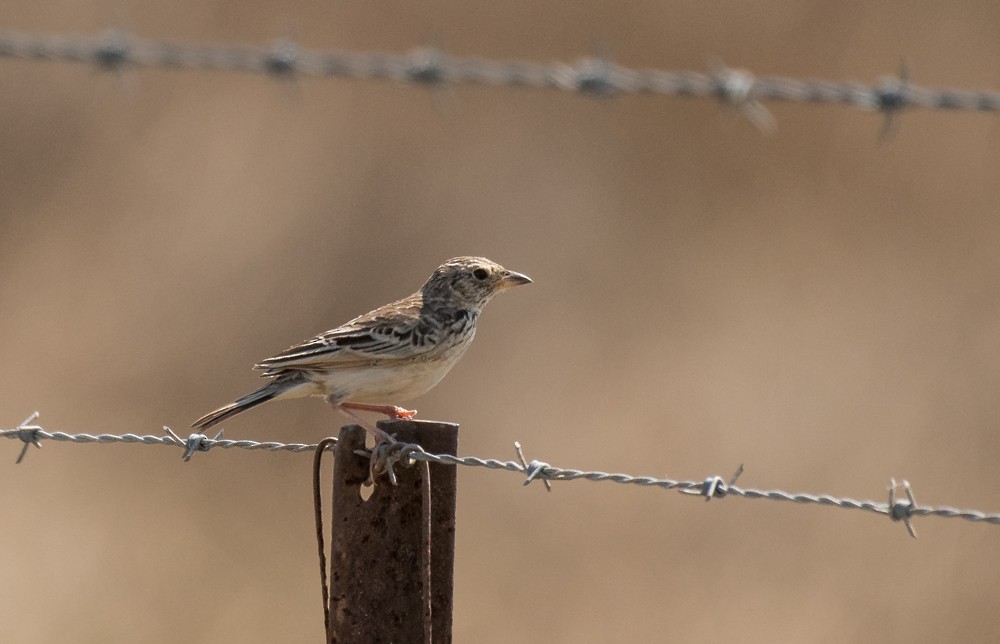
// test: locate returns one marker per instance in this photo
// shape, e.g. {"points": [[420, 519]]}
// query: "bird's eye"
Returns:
{"points": [[480, 274]]}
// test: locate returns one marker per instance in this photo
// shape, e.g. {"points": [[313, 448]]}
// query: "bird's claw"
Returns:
{"points": [[398, 413]]}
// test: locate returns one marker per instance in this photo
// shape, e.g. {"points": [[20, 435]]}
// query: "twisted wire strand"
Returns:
{"points": [[709, 488], [116, 49], [36, 433]]}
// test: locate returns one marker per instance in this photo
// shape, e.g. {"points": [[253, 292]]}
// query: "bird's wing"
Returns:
{"points": [[392, 333]]}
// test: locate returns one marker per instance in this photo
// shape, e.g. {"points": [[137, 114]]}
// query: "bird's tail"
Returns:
{"points": [[262, 395]]}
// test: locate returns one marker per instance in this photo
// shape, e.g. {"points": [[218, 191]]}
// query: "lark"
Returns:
{"points": [[392, 354]]}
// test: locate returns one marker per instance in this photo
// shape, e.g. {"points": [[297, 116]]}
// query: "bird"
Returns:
{"points": [[392, 354]]}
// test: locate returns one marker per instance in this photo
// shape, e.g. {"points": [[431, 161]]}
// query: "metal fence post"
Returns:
{"points": [[376, 559]]}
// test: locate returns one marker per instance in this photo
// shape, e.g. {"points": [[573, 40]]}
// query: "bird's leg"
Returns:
{"points": [[379, 435], [392, 411], [381, 438]]}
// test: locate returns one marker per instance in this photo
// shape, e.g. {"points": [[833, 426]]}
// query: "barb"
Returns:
{"points": [[709, 487], [715, 486], [891, 99], [902, 511], [592, 76], [534, 469], [28, 434], [737, 88]]}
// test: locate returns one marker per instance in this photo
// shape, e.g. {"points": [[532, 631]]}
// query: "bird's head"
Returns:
{"points": [[469, 282]]}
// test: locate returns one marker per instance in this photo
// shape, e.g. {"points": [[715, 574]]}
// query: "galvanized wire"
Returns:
{"points": [[712, 487], [116, 49]]}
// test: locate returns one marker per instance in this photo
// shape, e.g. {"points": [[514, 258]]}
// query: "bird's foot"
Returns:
{"points": [[392, 411], [397, 413], [380, 437]]}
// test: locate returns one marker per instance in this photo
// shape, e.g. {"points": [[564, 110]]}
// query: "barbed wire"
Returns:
{"points": [[116, 49], [712, 487]]}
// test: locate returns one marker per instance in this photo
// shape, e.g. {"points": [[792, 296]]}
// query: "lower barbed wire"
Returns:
{"points": [[408, 454]]}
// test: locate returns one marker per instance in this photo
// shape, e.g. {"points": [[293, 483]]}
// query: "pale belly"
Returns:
{"points": [[379, 384]]}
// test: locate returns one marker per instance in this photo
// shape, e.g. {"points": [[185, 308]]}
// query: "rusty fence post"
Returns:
{"points": [[377, 563]]}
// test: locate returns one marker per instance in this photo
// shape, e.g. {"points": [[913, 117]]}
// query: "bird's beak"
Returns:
{"points": [[510, 278]]}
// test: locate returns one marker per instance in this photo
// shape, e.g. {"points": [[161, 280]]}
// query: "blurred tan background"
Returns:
{"points": [[818, 304]]}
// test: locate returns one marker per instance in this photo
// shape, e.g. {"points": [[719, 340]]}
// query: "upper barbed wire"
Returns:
{"points": [[596, 76], [709, 488]]}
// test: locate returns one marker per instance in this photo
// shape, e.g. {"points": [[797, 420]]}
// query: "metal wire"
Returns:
{"points": [[713, 487], [116, 49]]}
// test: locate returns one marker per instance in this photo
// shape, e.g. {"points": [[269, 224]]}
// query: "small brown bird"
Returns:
{"points": [[392, 354]]}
